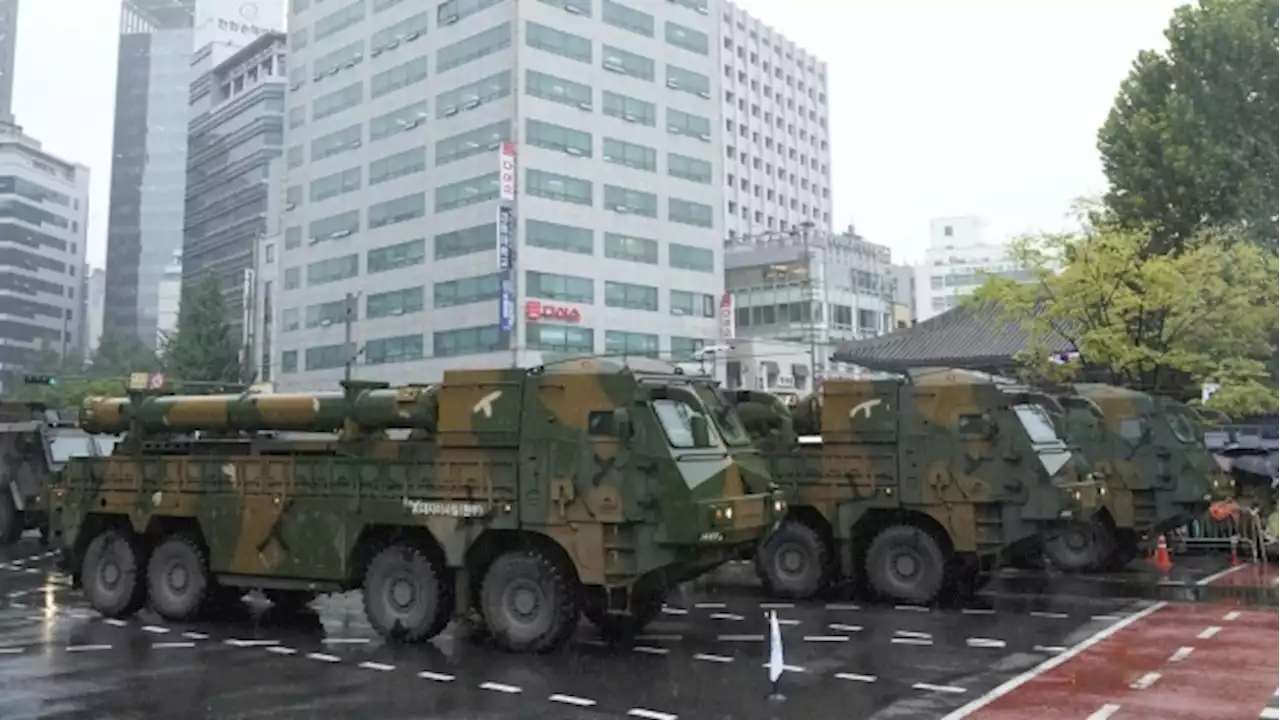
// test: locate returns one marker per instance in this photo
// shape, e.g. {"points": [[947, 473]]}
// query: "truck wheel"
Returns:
{"points": [[1078, 547], [906, 563], [793, 561], [618, 626], [113, 575], [404, 597], [529, 605], [10, 519], [178, 578]]}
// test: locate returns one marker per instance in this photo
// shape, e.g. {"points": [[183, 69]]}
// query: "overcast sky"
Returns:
{"points": [[938, 107]]}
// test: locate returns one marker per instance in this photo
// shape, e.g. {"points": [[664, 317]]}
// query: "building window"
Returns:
{"points": [[688, 81], [328, 313], [335, 227], [631, 248], [295, 157], [617, 342], [448, 13], [467, 291], [467, 192], [620, 152], [687, 38], [398, 210], [397, 121], [631, 202], [292, 278], [574, 7], [629, 296], [699, 6], [290, 320], [684, 347], [629, 109], [337, 101], [620, 61], [338, 183], [394, 303], [557, 90], [349, 55], [473, 95], [553, 186], [557, 42], [473, 48], [398, 165], [685, 257], [688, 168], [557, 137], [400, 76], [472, 142], [327, 356], [297, 117], [566, 288], [406, 30], [468, 341], [554, 236], [401, 348], [333, 270], [333, 144], [549, 337], [289, 361], [621, 16], [690, 213], [683, 123], [400, 255], [339, 20], [380, 5], [467, 241], [691, 304]]}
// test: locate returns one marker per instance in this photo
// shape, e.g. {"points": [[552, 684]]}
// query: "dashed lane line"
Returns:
{"points": [[1049, 649], [1220, 574], [436, 677], [1181, 654], [986, 643], [280, 650], [195, 636], [911, 608], [87, 648], [930, 687], [826, 638], [977, 611], [155, 629], [913, 634], [1049, 615], [674, 611], [790, 622], [910, 641], [380, 667], [707, 657], [1208, 632], [572, 700], [116, 622], [1145, 681], [1270, 714], [842, 606], [788, 668], [172, 645], [236, 642], [725, 616], [856, 677], [324, 657], [1104, 712], [845, 628], [501, 687], [740, 638], [651, 714], [1233, 615], [710, 606], [777, 606], [1106, 618], [12, 650], [650, 650], [344, 641]]}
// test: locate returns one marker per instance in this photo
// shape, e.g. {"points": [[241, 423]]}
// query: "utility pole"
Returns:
{"points": [[346, 335], [805, 228]]}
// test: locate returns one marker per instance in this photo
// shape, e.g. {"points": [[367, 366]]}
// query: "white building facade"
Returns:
{"points": [[398, 120], [958, 259]]}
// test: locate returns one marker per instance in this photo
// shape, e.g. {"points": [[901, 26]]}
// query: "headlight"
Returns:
{"points": [[779, 506], [1102, 491], [724, 513], [1076, 494]]}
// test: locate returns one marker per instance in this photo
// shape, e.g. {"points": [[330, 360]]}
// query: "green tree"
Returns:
{"points": [[1161, 323], [68, 387], [1191, 140], [119, 354], [203, 349]]}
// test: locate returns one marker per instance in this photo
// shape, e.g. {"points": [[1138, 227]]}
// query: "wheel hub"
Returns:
{"points": [[792, 561], [178, 578], [523, 601], [402, 594], [1076, 540], [906, 566], [110, 574]]}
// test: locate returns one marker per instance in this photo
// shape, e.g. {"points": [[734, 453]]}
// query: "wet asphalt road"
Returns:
{"points": [[703, 658]]}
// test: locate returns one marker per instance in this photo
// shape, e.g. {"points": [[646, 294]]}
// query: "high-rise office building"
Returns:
{"points": [[958, 260], [236, 130], [8, 48]]}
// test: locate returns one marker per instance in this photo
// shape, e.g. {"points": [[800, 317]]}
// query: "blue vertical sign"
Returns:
{"points": [[506, 231], [506, 305]]}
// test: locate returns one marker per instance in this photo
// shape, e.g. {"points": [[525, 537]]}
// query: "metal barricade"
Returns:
{"points": [[1244, 528]]}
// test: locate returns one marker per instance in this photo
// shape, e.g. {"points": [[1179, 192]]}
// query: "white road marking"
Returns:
{"points": [[709, 606], [660, 638], [788, 668], [938, 688], [1233, 615], [1050, 615], [1208, 632], [1107, 618], [155, 629], [1220, 574], [776, 605], [911, 608], [842, 606], [826, 638], [19, 605], [1145, 681], [1181, 653], [788, 621], [500, 687], [343, 641], [370, 665], [977, 611], [912, 634], [572, 700], [675, 611], [649, 650], [171, 645], [87, 648], [740, 638], [32, 571], [725, 616], [195, 635], [438, 677], [115, 622], [856, 678], [1104, 712], [593, 643], [324, 657], [281, 650], [1173, 583], [984, 643], [233, 642], [910, 641], [651, 714], [845, 628], [12, 650], [1270, 714], [712, 658], [1049, 648]]}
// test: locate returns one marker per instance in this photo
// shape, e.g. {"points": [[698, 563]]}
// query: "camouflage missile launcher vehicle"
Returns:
{"points": [[911, 485], [35, 443], [1155, 473], [523, 497]]}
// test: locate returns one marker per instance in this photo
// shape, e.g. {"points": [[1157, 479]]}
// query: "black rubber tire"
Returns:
{"points": [[553, 619], [113, 574], [11, 523], [178, 579], [616, 626], [1124, 550], [289, 602], [426, 609], [1079, 547], [807, 576], [906, 543]]}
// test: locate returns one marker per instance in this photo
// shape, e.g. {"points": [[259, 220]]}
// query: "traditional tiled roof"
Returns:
{"points": [[965, 337]]}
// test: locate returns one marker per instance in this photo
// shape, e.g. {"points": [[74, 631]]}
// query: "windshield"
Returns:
{"points": [[1037, 424], [676, 418], [65, 447], [1183, 427], [725, 416]]}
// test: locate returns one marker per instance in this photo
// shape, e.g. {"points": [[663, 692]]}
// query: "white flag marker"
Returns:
{"points": [[776, 664]]}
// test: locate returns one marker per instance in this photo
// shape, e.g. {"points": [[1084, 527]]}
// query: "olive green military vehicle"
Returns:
{"points": [[1155, 472], [523, 497], [35, 443], [913, 485]]}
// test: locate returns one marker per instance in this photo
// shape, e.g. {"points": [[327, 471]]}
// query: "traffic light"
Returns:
{"points": [[49, 380]]}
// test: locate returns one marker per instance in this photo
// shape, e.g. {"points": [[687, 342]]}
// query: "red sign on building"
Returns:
{"points": [[536, 310]]}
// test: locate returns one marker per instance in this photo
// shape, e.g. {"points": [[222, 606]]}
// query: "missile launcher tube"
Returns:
{"points": [[374, 409]]}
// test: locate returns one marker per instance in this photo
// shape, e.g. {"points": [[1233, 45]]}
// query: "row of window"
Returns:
{"points": [[486, 339]]}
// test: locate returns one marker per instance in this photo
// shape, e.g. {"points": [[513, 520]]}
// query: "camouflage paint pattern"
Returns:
{"points": [[34, 444], [484, 457], [944, 446], [1156, 470]]}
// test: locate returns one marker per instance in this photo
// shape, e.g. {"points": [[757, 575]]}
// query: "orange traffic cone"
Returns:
{"points": [[1161, 558]]}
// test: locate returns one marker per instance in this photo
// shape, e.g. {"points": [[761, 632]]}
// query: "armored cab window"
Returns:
{"points": [[600, 424], [975, 425], [1132, 430], [677, 420]]}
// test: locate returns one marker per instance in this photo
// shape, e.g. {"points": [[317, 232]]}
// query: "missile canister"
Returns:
{"points": [[405, 407]]}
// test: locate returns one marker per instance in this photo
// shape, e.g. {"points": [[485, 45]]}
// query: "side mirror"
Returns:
{"points": [[701, 432], [622, 423]]}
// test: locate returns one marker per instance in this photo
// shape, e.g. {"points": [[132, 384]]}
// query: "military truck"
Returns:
{"points": [[524, 496], [35, 442], [914, 485], [1156, 474]]}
